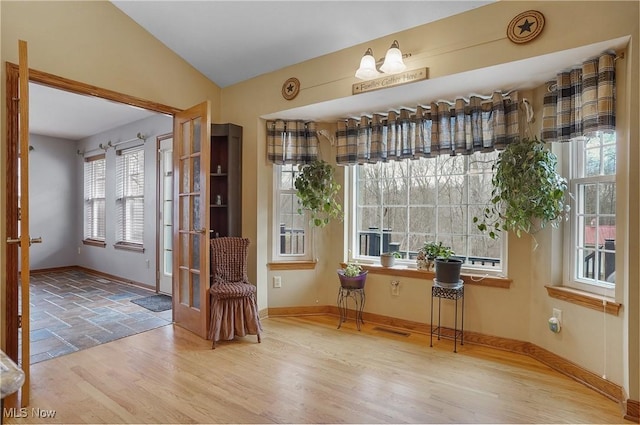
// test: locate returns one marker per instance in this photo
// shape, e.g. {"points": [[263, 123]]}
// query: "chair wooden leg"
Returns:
{"points": [[259, 340]]}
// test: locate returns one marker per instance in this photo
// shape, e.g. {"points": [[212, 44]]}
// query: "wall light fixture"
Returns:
{"points": [[393, 63]]}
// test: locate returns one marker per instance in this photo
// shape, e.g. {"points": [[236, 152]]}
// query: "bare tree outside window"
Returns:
{"points": [[400, 205]]}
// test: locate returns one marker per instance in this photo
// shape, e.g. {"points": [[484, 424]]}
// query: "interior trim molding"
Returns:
{"points": [[633, 411], [560, 364], [584, 299], [292, 265], [90, 90]]}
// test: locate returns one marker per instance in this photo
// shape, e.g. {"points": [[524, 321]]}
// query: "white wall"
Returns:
{"points": [[52, 197], [139, 267]]}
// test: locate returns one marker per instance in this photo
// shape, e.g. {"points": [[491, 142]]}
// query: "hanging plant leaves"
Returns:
{"points": [[527, 194], [318, 190]]}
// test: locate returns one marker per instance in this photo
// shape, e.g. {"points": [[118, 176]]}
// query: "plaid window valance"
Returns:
{"points": [[459, 127], [291, 142], [581, 101]]}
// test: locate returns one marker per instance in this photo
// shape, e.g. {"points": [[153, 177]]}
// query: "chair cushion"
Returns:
{"points": [[232, 290]]}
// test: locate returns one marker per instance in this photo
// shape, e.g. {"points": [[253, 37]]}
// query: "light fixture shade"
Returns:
{"points": [[367, 68], [393, 62]]}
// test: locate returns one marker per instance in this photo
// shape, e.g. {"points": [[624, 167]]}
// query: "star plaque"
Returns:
{"points": [[525, 27], [290, 88]]}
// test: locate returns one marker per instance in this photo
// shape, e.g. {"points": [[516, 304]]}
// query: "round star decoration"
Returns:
{"points": [[290, 88], [525, 27]]}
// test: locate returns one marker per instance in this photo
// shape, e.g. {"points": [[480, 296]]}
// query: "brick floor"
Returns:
{"points": [[72, 310]]}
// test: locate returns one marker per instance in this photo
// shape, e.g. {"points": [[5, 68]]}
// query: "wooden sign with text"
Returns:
{"points": [[390, 81]]}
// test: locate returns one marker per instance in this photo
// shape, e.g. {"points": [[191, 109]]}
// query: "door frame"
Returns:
{"points": [[11, 213], [160, 206]]}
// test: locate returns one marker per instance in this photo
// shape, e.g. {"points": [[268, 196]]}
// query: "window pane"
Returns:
{"points": [[403, 204], [291, 228], [594, 220], [130, 195], [94, 198]]}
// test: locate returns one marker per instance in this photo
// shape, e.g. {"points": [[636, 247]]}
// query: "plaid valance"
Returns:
{"points": [[581, 101], [291, 142], [459, 127]]}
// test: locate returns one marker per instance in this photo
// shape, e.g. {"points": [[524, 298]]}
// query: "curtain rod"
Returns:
{"points": [[108, 145], [139, 136]]}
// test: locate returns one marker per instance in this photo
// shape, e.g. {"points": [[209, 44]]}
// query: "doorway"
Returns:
{"points": [[12, 213]]}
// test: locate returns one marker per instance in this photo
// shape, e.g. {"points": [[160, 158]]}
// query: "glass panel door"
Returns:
{"points": [[191, 247]]}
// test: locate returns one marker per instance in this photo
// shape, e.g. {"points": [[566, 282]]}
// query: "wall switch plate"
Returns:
{"points": [[277, 281], [395, 287]]}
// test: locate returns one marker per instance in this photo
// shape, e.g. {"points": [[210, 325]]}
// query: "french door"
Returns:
{"points": [[191, 168], [18, 236]]}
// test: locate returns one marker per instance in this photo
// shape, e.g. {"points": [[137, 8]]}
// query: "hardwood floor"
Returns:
{"points": [[306, 371]]}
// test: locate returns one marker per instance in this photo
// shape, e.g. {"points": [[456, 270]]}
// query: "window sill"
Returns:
{"points": [[94, 242], [292, 265], [584, 299], [129, 246], [489, 281]]}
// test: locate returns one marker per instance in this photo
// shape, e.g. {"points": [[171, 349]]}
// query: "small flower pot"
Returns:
{"points": [[387, 260], [356, 282]]}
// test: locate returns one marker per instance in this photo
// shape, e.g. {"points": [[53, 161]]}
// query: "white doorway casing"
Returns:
{"points": [[165, 214]]}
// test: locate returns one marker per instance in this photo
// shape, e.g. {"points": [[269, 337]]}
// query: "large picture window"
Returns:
{"points": [[130, 196], [292, 236], [593, 226], [94, 198], [400, 205]]}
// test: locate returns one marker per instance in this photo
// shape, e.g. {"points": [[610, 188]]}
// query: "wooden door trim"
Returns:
{"points": [[78, 87], [11, 213], [11, 289]]}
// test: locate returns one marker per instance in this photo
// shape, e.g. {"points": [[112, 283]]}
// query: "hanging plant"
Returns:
{"points": [[527, 192], [318, 190]]}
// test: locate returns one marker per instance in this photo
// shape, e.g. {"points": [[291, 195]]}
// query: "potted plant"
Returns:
{"points": [[388, 259], [352, 276], [429, 252], [527, 192], [317, 190]]}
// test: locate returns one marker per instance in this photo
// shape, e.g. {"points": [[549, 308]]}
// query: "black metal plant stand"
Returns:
{"points": [[450, 293], [359, 299]]}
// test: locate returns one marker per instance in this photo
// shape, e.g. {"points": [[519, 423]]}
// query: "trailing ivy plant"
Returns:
{"points": [[527, 192], [318, 190]]}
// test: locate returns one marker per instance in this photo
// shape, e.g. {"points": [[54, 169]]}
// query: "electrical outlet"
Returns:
{"points": [[395, 287], [557, 313], [277, 282]]}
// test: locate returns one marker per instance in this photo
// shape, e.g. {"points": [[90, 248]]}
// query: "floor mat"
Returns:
{"points": [[154, 303]]}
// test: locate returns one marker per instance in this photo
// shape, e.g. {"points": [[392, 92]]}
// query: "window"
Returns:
{"points": [[593, 223], [130, 196], [400, 205], [94, 198], [291, 232]]}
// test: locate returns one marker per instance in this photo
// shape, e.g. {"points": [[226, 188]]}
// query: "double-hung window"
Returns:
{"points": [[94, 198], [592, 233], [291, 233], [400, 205], [130, 197]]}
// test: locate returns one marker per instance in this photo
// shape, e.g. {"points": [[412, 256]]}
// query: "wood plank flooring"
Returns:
{"points": [[306, 371]]}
